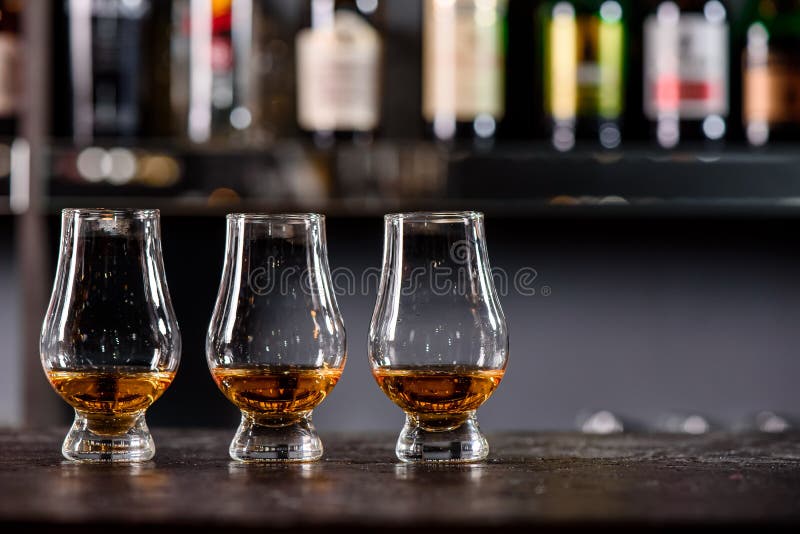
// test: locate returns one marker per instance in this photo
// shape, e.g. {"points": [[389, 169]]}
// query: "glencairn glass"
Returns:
{"points": [[438, 341], [276, 342], [110, 344]]}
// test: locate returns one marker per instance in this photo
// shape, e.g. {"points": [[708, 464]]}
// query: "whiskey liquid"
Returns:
{"points": [[438, 396], [110, 399], [276, 394]]}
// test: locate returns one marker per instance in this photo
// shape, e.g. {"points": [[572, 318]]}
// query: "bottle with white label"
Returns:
{"points": [[464, 68], [9, 66], [585, 60], [771, 71], [686, 70], [340, 71]]}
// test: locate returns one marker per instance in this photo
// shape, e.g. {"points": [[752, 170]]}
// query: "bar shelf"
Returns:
{"points": [[518, 179]]}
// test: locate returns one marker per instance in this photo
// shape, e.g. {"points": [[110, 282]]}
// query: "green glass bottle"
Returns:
{"points": [[585, 62], [771, 71]]}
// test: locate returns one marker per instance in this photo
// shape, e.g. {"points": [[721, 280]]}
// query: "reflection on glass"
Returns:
{"points": [[439, 473], [274, 472]]}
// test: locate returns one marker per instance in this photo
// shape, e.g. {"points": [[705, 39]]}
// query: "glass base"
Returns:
{"points": [[127, 441], [268, 441], [461, 444]]}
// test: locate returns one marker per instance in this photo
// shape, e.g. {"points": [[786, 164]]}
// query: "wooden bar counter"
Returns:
{"points": [[531, 482]]}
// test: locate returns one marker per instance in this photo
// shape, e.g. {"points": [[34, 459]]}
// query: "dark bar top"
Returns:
{"points": [[542, 482]]}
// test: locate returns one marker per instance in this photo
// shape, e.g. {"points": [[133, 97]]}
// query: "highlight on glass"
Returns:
{"points": [[110, 344], [276, 343], [438, 342]]}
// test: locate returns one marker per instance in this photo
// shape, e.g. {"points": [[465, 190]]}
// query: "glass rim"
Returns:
{"points": [[286, 218], [130, 213], [436, 217]]}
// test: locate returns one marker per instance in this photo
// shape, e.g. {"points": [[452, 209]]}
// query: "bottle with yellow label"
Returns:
{"points": [[585, 60], [771, 71], [464, 68]]}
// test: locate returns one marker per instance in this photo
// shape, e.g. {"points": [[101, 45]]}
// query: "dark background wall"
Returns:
{"points": [[644, 316]]}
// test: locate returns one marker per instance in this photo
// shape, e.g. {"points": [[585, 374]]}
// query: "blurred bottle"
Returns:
{"points": [[464, 57], [683, 423], [686, 70], [339, 70], [118, 54], [232, 76], [9, 65], [584, 70], [771, 77], [601, 422], [767, 422]]}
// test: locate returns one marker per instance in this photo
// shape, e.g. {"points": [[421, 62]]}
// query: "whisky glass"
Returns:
{"points": [[110, 344], [438, 342], [276, 342]]}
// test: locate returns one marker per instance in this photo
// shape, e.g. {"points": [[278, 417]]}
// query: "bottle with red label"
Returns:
{"points": [[686, 64], [771, 71], [231, 71], [339, 62]]}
